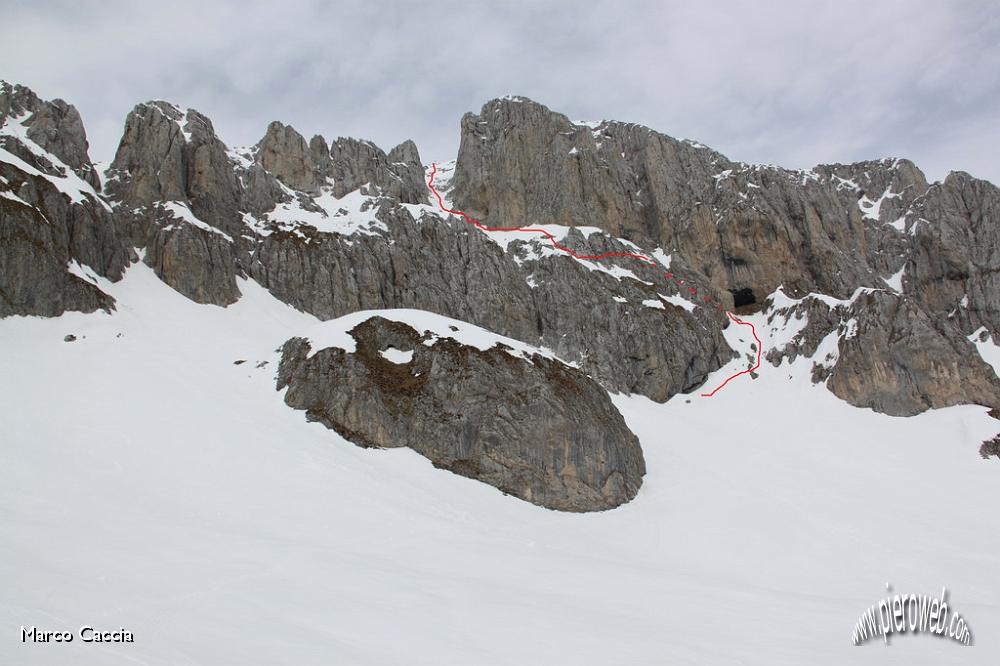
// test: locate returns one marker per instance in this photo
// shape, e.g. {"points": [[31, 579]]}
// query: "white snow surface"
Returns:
{"points": [[558, 231], [895, 281], [899, 224], [354, 213], [85, 272], [872, 209], [988, 349], [335, 332], [397, 356], [150, 483], [7, 194], [679, 301], [182, 212], [537, 246], [782, 329], [662, 257], [722, 175], [781, 300]]}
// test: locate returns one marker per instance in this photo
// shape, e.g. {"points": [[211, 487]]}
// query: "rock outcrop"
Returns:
{"points": [[54, 126], [199, 207], [170, 155], [531, 426], [348, 164], [176, 194], [34, 260], [56, 231], [953, 263], [881, 350], [284, 153], [355, 163]]}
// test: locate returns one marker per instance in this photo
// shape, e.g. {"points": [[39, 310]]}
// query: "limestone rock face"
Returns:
{"points": [[172, 176], [178, 195], [199, 264], [928, 254], [55, 126], [284, 153], [405, 162], [170, 160], [623, 331], [901, 363], [346, 165], [953, 265], [746, 228], [881, 350], [149, 164], [170, 155], [533, 427], [355, 163], [56, 231], [34, 255]]}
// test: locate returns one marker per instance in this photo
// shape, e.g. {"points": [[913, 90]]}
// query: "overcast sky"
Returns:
{"points": [[789, 83]]}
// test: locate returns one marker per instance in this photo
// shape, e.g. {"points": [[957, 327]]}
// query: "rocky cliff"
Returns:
{"points": [[879, 349], [55, 226], [748, 230]]}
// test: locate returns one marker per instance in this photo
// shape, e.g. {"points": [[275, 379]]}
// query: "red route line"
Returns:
{"points": [[641, 257], [745, 372]]}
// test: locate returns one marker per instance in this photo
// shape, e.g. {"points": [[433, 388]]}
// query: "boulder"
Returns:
{"points": [[530, 426]]}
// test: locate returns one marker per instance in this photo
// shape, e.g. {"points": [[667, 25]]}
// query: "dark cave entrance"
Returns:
{"points": [[743, 297]]}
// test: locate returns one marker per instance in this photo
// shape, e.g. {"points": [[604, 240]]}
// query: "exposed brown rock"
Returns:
{"points": [[534, 428]]}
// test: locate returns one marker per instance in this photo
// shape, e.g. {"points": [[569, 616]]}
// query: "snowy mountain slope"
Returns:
{"points": [[335, 228], [151, 483], [154, 479]]}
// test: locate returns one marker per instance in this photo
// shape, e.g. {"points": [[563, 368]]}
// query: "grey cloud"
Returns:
{"points": [[787, 83]]}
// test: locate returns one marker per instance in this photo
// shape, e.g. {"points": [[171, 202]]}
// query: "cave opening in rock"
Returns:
{"points": [[743, 297]]}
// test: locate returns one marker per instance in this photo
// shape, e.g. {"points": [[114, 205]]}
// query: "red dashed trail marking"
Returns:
{"points": [[703, 300]]}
